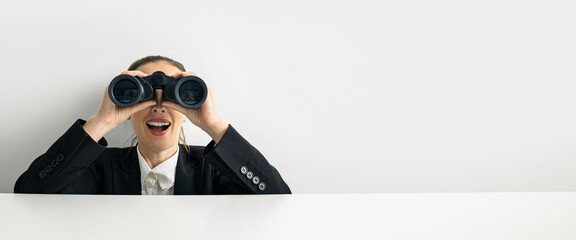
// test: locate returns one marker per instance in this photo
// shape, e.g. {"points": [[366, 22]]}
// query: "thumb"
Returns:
{"points": [[141, 106], [176, 107]]}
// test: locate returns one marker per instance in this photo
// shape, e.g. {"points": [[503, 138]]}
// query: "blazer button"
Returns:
{"points": [[262, 186], [54, 163], [244, 170], [48, 169], [42, 174], [256, 180], [249, 175], [60, 157]]}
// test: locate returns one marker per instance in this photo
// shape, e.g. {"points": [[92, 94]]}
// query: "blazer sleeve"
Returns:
{"points": [[66, 166], [241, 168]]}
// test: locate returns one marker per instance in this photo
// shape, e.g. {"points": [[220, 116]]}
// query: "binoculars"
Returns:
{"points": [[127, 90]]}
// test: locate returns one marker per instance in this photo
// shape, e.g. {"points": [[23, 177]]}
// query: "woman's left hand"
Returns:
{"points": [[205, 117]]}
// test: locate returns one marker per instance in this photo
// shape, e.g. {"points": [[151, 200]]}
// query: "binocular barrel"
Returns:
{"points": [[127, 90]]}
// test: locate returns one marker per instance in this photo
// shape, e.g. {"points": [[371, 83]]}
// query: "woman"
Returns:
{"points": [[80, 162]]}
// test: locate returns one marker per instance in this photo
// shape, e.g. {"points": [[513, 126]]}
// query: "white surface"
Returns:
{"points": [[341, 96], [445, 216]]}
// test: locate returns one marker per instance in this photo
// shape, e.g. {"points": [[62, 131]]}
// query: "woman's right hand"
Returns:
{"points": [[109, 116]]}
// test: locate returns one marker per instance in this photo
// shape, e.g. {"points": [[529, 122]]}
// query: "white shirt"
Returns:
{"points": [[160, 179]]}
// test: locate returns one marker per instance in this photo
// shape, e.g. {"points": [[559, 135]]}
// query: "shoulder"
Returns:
{"points": [[116, 151], [191, 151], [112, 154], [126, 155]]}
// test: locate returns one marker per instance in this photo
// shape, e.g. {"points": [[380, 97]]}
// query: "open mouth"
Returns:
{"points": [[158, 127]]}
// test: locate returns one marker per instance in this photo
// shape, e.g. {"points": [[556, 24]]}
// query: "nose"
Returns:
{"points": [[158, 107]]}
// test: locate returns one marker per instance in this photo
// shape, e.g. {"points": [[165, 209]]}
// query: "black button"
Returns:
{"points": [[54, 163], [60, 157], [42, 174], [48, 169]]}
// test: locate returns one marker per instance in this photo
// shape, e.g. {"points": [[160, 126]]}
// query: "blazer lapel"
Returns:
{"points": [[127, 179], [188, 174]]}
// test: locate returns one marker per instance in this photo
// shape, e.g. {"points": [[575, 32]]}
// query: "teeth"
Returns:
{"points": [[158, 124]]}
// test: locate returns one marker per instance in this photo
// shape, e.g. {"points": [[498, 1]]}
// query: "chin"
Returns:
{"points": [[158, 143], [157, 147], [158, 135]]}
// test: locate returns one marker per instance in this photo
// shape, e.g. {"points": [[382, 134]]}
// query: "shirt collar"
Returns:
{"points": [[165, 171]]}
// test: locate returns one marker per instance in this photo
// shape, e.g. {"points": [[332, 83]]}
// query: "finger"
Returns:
{"points": [[135, 73], [106, 96], [183, 74], [141, 106], [175, 106], [209, 98], [176, 75]]}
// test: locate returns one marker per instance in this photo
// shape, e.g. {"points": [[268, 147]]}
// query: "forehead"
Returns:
{"points": [[163, 66]]}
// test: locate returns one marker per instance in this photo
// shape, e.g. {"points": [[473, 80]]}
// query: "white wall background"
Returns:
{"points": [[341, 96]]}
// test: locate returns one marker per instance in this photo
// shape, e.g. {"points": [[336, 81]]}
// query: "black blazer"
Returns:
{"points": [[75, 163]]}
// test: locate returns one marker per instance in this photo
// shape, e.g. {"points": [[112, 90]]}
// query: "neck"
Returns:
{"points": [[155, 157]]}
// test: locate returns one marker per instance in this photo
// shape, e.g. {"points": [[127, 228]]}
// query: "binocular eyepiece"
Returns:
{"points": [[127, 90]]}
